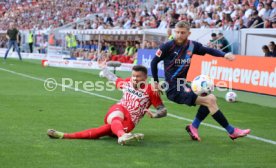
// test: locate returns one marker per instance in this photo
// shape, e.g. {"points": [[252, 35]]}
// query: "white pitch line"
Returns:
{"points": [[113, 99]]}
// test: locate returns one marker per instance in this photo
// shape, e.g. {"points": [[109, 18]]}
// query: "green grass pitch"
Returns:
{"points": [[27, 110]]}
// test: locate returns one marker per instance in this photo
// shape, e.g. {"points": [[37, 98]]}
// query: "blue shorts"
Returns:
{"points": [[181, 95]]}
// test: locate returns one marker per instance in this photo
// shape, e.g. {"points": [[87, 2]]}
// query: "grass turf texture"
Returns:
{"points": [[27, 110]]}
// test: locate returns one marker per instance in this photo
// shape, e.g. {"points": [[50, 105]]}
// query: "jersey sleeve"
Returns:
{"points": [[155, 99], [159, 55], [201, 50], [120, 82]]}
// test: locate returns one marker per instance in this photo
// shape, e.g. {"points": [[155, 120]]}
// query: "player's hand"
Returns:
{"points": [[149, 113], [229, 56], [102, 62], [157, 89]]}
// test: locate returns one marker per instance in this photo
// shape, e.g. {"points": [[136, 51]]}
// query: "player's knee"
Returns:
{"points": [[212, 100], [115, 114]]}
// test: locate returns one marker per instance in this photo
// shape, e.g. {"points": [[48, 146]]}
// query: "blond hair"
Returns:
{"points": [[183, 24]]}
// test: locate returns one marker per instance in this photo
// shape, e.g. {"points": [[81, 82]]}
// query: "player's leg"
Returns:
{"points": [[184, 95], [210, 101], [10, 44], [192, 129], [201, 114], [121, 124], [93, 133], [115, 119], [17, 50]]}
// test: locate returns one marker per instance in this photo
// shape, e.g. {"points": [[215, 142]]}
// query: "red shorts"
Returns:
{"points": [[127, 122]]}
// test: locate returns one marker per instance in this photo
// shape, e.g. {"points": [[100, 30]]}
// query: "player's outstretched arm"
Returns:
{"points": [[108, 75], [161, 111], [105, 72], [201, 50]]}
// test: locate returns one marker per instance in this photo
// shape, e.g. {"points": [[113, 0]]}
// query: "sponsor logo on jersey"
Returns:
{"points": [[182, 61], [158, 53], [137, 93]]}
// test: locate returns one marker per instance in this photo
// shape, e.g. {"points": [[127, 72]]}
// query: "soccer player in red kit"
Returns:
{"points": [[122, 117]]}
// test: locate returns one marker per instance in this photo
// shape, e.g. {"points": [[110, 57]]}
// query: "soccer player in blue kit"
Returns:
{"points": [[177, 55]]}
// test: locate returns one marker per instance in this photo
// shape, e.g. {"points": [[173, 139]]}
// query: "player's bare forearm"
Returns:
{"points": [[161, 111]]}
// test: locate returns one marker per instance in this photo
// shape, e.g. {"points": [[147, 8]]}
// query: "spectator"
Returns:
{"points": [[274, 25], [163, 24], [71, 42], [111, 49], [248, 10], [148, 45], [255, 21], [169, 34], [127, 48], [261, 9], [132, 49], [213, 42], [272, 48], [267, 11], [223, 43], [272, 15], [154, 45], [30, 41], [43, 47], [240, 25], [266, 51], [13, 37]]}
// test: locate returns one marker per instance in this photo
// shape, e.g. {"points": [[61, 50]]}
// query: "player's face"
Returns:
{"points": [[138, 78], [181, 35]]}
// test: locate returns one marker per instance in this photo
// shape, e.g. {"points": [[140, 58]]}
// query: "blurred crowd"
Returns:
{"points": [[44, 14], [123, 51], [135, 14], [225, 14]]}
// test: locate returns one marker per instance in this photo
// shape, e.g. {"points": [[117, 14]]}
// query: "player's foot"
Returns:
{"points": [[55, 134], [139, 136], [193, 132], [239, 133], [127, 137]]}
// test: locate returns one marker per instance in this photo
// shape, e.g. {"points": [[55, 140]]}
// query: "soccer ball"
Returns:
{"points": [[231, 97], [202, 85]]}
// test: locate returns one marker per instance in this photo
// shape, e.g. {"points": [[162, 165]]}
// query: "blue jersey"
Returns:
{"points": [[177, 58]]}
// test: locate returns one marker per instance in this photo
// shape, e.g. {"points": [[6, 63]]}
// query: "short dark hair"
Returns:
{"points": [[140, 68], [214, 35], [265, 47]]}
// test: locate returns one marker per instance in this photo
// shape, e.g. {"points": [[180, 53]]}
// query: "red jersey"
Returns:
{"points": [[135, 101]]}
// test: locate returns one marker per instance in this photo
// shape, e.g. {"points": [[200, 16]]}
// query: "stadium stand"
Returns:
{"points": [[135, 14], [30, 14]]}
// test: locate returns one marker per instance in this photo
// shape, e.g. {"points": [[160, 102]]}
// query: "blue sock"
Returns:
{"points": [[196, 123], [230, 129], [202, 113]]}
